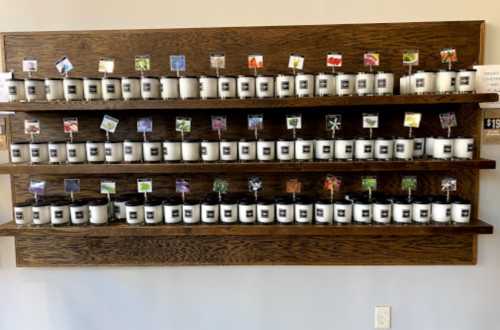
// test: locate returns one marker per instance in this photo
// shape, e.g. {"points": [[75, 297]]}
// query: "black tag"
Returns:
{"points": [[285, 85], [36, 215], [341, 213], [12, 90], [165, 151], [282, 213], [303, 84], [464, 81], [155, 151], [448, 212], [419, 145], [226, 151], [424, 213], [210, 214], [384, 150], [175, 213], [188, 213], [365, 213], [72, 152], [264, 87], [368, 148], [400, 147], [285, 150], [132, 215], [225, 86], [249, 213], [465, 213], [150, 215], [92, 89], [94, 152], [228, 213], [319, 212], [362, 83], [19, 216], [204, 151], [348, 149], [146, 87], [31, 90], [71, 89], [35, 152], [110, 88], [303, 213], [306, 149], [381, 83], [420, 82], [53, 152], [127, 88], [108, 151], [470, 147], [128, 150], [344, 84], [326, 149], [245, 150], [453, 81], [266, 151], [116, 209], [58, 214], [446, 149], [79, 214], [16, 153], [406, 213], [384, 214], [245, 87], [323, 83], [264, 213]]}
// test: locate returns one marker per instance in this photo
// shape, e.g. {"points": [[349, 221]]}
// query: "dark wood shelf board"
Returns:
{"points": [[310, 102]]}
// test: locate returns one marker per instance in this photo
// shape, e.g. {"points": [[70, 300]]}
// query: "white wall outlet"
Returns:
{"points": [[383, 317]]}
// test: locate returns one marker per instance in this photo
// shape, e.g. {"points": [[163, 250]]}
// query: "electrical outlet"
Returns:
{"points": [[383, 317]]}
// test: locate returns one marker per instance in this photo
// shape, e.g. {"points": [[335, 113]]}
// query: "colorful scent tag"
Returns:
{"points": [[142, 63], [255, 122], [220, 186], [106, 65], [254, 184], [294, 122], [409, 183], [218, 61], [334, 60], [412, 119], [145, 125], [449, 55], [219, 123], [182, 186], [371, 59], [255, 61], [448, 120], [369, 183], [32, 126], [70, 125], [30, 65], [37, 187], [63, 65], [370, 120], [410, 57], [144, 185], [177, 63], [296, 62], [449, 184], [108, 187], [293, 186], [332, 183], [333, 122], [183, 124], [109, 124], [71, 185]]}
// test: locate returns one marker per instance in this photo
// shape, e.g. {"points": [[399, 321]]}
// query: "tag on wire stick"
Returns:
{"points": [[220, 186], [218, 61], [37, 187], [294, 122], [70, 125], [32, 126], [144, 185], [254, 184], [334, 60], [145, 125], [71, 185], [332, 183], [255, 61], [449, 184], [142, 63], [64, 65], [449, 55], [411, 57], [371, 59], [369, 183], [177, 63], [412, 119], [182, 186], [333, 122], [183, 124], [409, 183], [108, 187], [219, 123], [370, 120], [30, 65], [448, 120], [296, 62], [106, 65], [109, 124], [293, 186], [256, 122]]}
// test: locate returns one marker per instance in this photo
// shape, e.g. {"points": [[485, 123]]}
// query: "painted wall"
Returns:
{"points": [[432, 298]]}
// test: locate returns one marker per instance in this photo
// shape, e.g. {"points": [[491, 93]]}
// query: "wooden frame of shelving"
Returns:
{"points": [[119, 244]]}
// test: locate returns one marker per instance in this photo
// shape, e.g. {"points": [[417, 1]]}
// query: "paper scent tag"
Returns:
{"points": [[37, 187], [144, 185], [255, 61], [71, 185], [219, 123], [255, 122], [108, 187], [106, 65], [254, 184], [449, 184], [142, 63], [109, 124], [333, 122], [217, 61], [182, 186], [70, 125], [369, 183], [334, 60], [220, 186], [296, 62], [32, 126], [145, 125], [370, 120], [183, 124], [449, 55], [412, 119], [332, 183], [177, 63], [63, 65], [293, 186], [411, 57], [30, 65], [294, 122], [371, 59], [448, 120], [409, 183]]}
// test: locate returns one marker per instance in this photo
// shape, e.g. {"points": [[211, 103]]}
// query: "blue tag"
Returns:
{"points": [[177, 63]]}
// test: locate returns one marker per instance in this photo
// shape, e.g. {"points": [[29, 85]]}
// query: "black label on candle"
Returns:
{"points": [[319, 212], [365, 213], [72, 152], [204, 151], [465, 213], [285, 150], [384, 150], [341, 213], [344, 84], [302, 213], [323, 83], [326, 149], [419, 145], [400, 147], [368, 148], [36, 215], [448, 212], [94, 152], [225, 86], [108, 151], [245, 87], [150, 215], [226, 151], [464, 81], [245, 150], [264, 213], [165, 150], [127, 88], [303, 84], [175, 213], [202, 86], [12, 90], [53, 152], [92, 89], [266, 151], [306, 149], [406, 213], [16, 153], [381, 83], [249, 213], [71, 89], [132, 215], [348, 149], [155, 151], [447, 149], [285, 85], [384, 214], [31, 90], [35, 152], [79, 214], [19, 216], [282, 213], [58, 214], [146, 87], [453, 81], [47, 89], [362, 83], [264, 87], [188, 213], [470, 147], [210, 214], [110, 88], [424, 213], [116, 209], [228, 213], [420, 82], [128, 150]]}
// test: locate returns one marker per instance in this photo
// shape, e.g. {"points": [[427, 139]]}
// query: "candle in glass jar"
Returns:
{"points": [[304, 149], [34, 89], [345, 84], [284, 210], [383, 148], [172, 210], [228, 210], [247, 150], [57, 152], [364, 83], [189, 88], [421, 210], [304, 85], [39, 152], [285, 150], [132, 151], [342, 211], [344, 149], [325, 84], [466, 79], [169, 88], [95, 151], [75, 152], [152, 151], [23, 213], [303, 209], [401, 210], [209, 151], [384, 83], [150, 88], [191, 212], [403, 148], [111, 88], [92, 89], [19, 152], [245, 87], [382, 210], [208, 87], [264, 87], [446, 81], [323, 211], [59, 213], [171, 151], [134, 210], [227, 87], [463, 148], [362, 211], [266, 150], [460, 210], [190, 151], [265, 211], [228, 151], [73, 89], [113, 151], [247, 210], [41, 212], [153, 212], [323, 149], [131, 88], [210, 210], [54, 89], [79, 212], [15, 90], [285, 86]]}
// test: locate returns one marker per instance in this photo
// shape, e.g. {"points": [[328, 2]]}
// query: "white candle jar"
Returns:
{"points": [[188, 88], [303, 211], [245, 87], [228, 211], [323, 211], [247, 210], [95, 152], [15, 90], [150, 88], [73, 89], [382, 210], [111, 89], [422, 82], [362, 211], [383, 149], [429, 146], [34, 89], [41, 212], [285, 150], [209, 151], [418, 147], [210, 211], [460, 211], [134, 211], [190, 151], [228, 151], [208, 87], [442, 148], [285, 86], [304, 149], [132, 151], [446, 81], [75, 152], [19, 152], [403, 148], [191, 212], [39, 152], [92, 89], [54, 89], [344, 149], [345, 84], [421, 211], [466, 81], [79, 212], [172, 210], [284, 210], [119, 208], [247, 150], [325, 84], [172, 151], [265, 211], [402, 211], [323, 149], [57, 152], [365, 83], [23, 214], [405, 85], [384, 83], [131, 88], [363, 149], [304, 85], [153, 212], [265, 150], [463, 148], [227, 87], [113, 151], [169, 88], [59, 213], [441, 211], [152, 151], [342, 211], [264, 87]]}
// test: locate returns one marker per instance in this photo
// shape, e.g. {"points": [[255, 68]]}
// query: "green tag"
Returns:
{"points": [[108, 187], [409, 183], [220, 186], [144, 185], [369, 183]]}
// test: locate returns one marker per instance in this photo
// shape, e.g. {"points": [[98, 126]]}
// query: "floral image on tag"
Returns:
{"points": [[334, 60], [144, 185], [449, 55], [255, 122], [71, 185], [63, 65], [369, 183], [412, 119], [220, 186], [30, 65], [410, 57], [37, 187], [371, 59], [70, 125], [182, 186], [296, 62], [32, 126], [255, 61], [145, 125], [183, 124], [449, 184], [219, 123], [217, 61], [409, 183], [177, 63], [448, 120], [333, 122], [370, 120], [142, 63], [108, 187], [106, 65], [254, 184], [109, 124], [294, 122], [293, 186], [332, 183]]}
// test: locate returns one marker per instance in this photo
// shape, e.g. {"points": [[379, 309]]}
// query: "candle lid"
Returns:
{"points": [[54, 78], [247, 140], [447, 70], [324, 201], [362, 201], [342, 202], [208, 76], [149, 77], [37, 142], [153, 202], [57, 142], [210, 199], [171, 201], [132, 141], [21, 142], [247, 201], [75, 142], [439, 200], [134, 202], [91, 78], [421, 200], [73, 78], [459, 200], [188, 77], [191, 202], [382, 201], [125, 197], [22, 204], [14, 79], [284, 200], [79, 202], [41, 203], [61, 202], [131, 77], [467, 70], [265, 201], [403, 201], [384, 72], [111, 78], [303, 200], [98, 202], [34, 79], [228, 200]]}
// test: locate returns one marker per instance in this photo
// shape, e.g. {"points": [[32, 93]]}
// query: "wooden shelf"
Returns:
{"points": [[250, 167], [311, 102]]}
